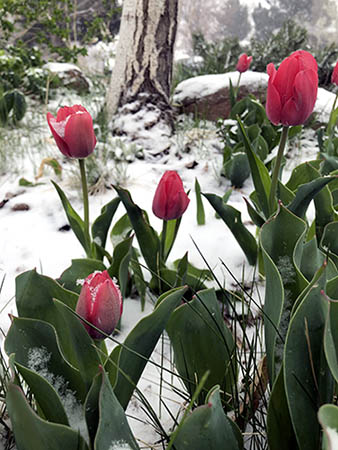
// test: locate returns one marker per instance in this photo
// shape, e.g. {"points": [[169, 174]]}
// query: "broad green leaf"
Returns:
{"points": [[139, 345], [237, 169], [146, 236], [308, 382], [73, 277], [207, 427], [119, 269], [331, 328], [284, 282], [259, 173], [33, 433], [44, 393], [279, 427], [113, 429], [36, 347], [35, 292], [328, 418], [232, 218], [202, 342], [75, 221], [329, 242], [306, 193], [102, 224]]}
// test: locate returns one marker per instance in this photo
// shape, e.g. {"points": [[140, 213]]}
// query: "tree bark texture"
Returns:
{"points": [[143, 68]]}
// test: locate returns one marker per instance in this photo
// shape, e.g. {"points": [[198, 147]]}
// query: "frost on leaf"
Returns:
{"points": [[38, 360]]}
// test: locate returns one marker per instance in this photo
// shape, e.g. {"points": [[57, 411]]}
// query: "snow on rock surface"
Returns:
{"points": [[209, 84]]}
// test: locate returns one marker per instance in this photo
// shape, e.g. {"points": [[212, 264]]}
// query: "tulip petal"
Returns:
{"points": [[106, 310], [177, 205], [285, 77], [63, 147], [79, 134], [299, 107], [273, 103]]}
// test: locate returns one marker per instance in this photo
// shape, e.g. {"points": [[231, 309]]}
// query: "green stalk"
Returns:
{"points": [[163, 239], [274, 181], [331, 126], [237, 87], [85, 205]]}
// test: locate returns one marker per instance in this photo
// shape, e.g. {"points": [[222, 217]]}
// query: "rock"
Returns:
{"points": [[70, 76], [207, 96], [20, 207]]}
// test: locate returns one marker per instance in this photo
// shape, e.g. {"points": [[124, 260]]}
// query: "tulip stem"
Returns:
{"points": [[276, 170], [85, 205], [163, 239], [238, 81]]}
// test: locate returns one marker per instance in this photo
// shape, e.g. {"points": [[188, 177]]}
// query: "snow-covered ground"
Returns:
{"points": [[32, 238]]}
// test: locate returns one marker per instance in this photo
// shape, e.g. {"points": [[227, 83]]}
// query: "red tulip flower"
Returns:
{"points": [[73, 131], [244, 62], [334, 77], [170, 200], [292, 89], [100, 303]]}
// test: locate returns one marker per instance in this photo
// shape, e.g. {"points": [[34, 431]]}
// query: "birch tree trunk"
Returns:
{"points": [[142, 75]]}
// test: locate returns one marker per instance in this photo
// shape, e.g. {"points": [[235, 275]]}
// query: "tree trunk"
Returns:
{"points": [[141, 78]]}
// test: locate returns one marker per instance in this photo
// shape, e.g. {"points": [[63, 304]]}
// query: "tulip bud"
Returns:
{"points": [[170, 200], [244, 62], [100, 303], [334, 77], [73, 131], [292, 89]]}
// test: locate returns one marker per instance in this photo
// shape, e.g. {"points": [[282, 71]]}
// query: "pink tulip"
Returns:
{"points": [[100, 303], [73, 131], [292, 89], [170, 200], [244, 62], [334, 77]]}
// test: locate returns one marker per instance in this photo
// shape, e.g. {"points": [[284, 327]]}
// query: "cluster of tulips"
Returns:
{"points": [[71, 321]]}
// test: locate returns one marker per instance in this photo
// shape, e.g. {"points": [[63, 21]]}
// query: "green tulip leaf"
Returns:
{"points": [[232, 218], [207, 427], [331, 328], [36, 347], [44, 392], [202, 342], [73, 277], [279, 426], [306, 193], [146, 236], [139, 345], [281, 239], [308, 382], [112, 428], [33, 433], [102, 224], [259, 173], [75, 221], [329, 242], [120, 251]]}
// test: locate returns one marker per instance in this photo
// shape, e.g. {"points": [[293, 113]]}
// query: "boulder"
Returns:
{"points": [[70, 75], [208, 97]]}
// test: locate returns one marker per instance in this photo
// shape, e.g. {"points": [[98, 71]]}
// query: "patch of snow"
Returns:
{"points": [[204, 85]]}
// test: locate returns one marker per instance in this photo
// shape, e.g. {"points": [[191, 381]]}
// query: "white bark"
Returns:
{"points": [[145, 53]]}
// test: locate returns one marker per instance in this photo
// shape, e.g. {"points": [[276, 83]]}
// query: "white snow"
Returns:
{"points": [[209, 84]]}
